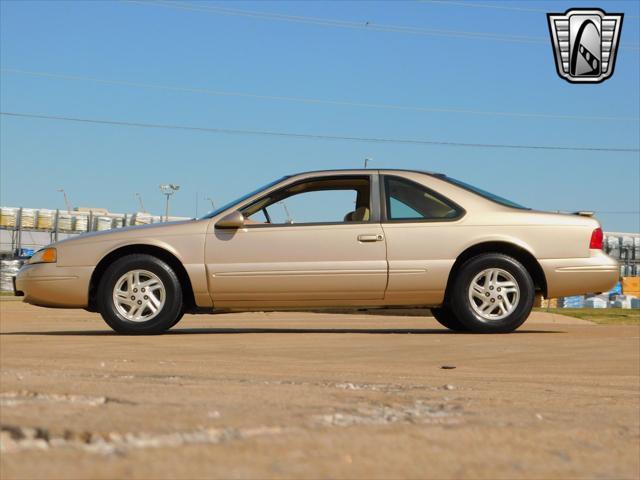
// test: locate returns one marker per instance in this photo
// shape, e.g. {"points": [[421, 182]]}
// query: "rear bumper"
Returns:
{"points": [[48, 285], [576, 276]]}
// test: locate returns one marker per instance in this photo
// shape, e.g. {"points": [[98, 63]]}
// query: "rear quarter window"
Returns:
{"points": [[483, 193], [407, 200]]}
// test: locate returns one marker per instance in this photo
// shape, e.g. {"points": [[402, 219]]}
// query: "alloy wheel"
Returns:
{"points": [[494, 294], [139, 295]]}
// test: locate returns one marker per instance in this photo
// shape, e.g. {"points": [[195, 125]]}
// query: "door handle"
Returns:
{"points": [[371, 238]]}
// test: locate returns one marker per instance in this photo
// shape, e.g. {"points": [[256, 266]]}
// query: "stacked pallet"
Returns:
{"points": [[631, 286], [8, 270]]}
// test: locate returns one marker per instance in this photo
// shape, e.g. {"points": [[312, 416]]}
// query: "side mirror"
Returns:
{"points": [[232, 220]]}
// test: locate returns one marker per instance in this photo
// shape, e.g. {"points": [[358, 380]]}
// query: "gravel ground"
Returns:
{"points": [[312, 395]]}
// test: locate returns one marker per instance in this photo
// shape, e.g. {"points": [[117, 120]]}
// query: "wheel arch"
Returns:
{"points": [[518, 252], [154, 250]]}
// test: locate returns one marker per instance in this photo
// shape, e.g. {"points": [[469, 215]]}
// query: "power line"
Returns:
{"points": [[484, 5], [326, 22], [308, 100], [498, 7], [319, 136], [366, 25]]}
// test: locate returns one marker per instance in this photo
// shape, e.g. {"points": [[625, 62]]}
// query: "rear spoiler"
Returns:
{"points": [[584, 213]]}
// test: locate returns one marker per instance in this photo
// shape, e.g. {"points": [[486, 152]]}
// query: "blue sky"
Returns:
{"points": [[103, 166]]}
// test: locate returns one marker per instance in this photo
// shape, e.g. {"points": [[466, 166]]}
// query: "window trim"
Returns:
{"points": [[374, 202], [384, 214]]}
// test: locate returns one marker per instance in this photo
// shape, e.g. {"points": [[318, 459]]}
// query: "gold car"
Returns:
{"points": [[346, 238]]}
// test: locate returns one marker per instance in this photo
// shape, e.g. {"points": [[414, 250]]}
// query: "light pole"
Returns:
{"points": [[213, 205], [168, 190], [66, 199], [142, 209], [366, 161]]}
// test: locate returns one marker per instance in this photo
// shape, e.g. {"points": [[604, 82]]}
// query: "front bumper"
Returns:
{"points": [[576, 276], [48, 285]]}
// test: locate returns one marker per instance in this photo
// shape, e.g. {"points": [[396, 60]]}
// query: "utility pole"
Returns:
{"points": [[168, 190], [66, 199], [142, 209]]}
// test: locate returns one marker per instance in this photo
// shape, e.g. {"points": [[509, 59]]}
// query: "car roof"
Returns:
{"points": [[368, 171]]}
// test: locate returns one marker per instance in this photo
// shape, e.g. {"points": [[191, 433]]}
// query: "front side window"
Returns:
{"points": [[407, 200], [319, 200]]}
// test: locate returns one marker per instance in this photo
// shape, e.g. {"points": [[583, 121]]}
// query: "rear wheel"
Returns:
{"points": [[140, 294], [445, 317], [492, 293]]}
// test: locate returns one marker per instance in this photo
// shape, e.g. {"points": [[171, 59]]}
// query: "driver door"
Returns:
{"points": [[313, 242]]}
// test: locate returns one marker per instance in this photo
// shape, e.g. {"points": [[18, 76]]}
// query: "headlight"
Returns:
{"points": [[46, 255]]}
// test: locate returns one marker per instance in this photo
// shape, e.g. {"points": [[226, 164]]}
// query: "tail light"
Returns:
{"points": [[596, 239]]}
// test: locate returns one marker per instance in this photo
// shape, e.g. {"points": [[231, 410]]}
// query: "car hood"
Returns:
{"points": [[155, 230]]}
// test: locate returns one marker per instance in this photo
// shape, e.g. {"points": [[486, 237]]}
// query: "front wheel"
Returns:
{"points": [[140, 294], [492, 293]]}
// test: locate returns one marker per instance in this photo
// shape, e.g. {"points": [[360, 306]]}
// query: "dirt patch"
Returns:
{"points": [[15, 439], [24, 397], [418, 412]]}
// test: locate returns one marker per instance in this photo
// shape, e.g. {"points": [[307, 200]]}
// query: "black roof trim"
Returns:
{"points": [[364, 170]]}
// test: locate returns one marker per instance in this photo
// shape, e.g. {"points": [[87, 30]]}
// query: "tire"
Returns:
{"points": [[178, 318], [492, 293], [445, 317], [140, 294]]}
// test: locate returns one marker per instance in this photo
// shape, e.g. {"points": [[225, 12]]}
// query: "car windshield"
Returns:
{"points": [[485, 194], [224, 207]]}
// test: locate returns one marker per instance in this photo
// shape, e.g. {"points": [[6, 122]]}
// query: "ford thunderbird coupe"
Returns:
{"points": [[343, 238]]}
